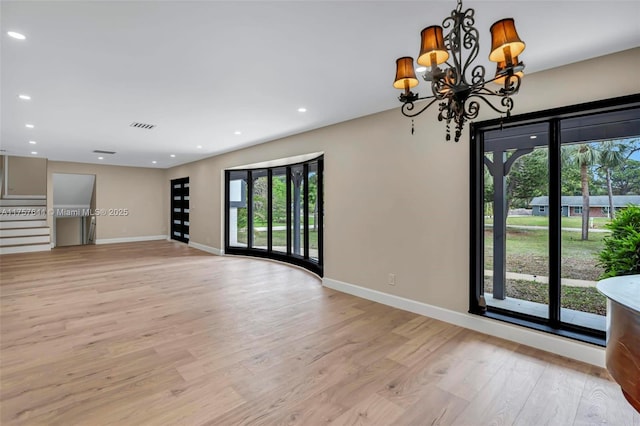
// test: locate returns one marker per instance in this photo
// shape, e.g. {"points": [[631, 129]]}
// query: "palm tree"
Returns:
{"points": [[610, 156], [584, 155]]}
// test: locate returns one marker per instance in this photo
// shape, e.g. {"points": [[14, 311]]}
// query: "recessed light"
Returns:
{"points": [[153, 162], [16, 35], [237, 132], [199, 146], [29, 126], [533, 137], [33, 142], [421, 69], [25, 97], [302, 109], [172, 156], [100, 158], [34, 152]]}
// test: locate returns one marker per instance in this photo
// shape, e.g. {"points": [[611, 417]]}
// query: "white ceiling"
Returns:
{"points": [[202, 70]]}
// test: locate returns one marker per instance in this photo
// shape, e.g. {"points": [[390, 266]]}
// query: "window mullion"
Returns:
{"points": [[555, 223], [320, 215], [249, 209], [305, 208], [269, 210], [289, 210]]}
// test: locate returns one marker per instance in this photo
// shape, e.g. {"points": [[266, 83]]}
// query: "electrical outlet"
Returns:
{"points": [[392, 279]]}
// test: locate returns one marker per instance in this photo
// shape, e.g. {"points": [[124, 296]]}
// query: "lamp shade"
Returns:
{"points": [[501, 71], [504, 34], [432, 42], [405, 74]]}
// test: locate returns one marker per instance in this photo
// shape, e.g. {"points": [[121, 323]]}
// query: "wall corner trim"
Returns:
{"points": [[208, 249], [558, 345], [130, 239]]}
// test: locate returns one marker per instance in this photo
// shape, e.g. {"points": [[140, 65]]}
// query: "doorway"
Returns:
{"points": [[180, 209], [74, 206]]}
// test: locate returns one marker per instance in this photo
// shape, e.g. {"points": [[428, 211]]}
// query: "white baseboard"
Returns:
{"points": [[130, 239], [569, 348], [208, 249], [25, 197]]}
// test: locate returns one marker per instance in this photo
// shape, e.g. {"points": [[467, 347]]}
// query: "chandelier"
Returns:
{"points": [[461, 85]]}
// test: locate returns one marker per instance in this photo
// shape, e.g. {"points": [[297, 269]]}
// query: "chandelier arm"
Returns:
{"points": [[407, 108], [477, 76], [512, 82], [505, 102], [512, 87], [471, 109], [483, 91]]}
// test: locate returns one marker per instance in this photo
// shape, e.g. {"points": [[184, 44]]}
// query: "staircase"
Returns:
{"points": [[23, 226]]}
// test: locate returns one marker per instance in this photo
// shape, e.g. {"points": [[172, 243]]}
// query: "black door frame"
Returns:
{"points": [[180, 188]]}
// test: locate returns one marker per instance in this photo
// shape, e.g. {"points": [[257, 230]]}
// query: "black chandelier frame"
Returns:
{"points": [[459, 98]]}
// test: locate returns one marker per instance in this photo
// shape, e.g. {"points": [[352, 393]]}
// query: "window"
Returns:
{"points": [[237, 219], [277, 213], [539, 270]]}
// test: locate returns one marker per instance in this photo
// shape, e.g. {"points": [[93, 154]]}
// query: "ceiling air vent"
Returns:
{"points": [[99, 151], [142, 125]]}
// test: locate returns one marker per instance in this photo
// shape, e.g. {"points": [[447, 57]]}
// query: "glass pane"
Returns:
{"points": [[516, 243], [279, 210], [599, 179], [297, 210], [237, 209], [260, 188], [313, 211]]}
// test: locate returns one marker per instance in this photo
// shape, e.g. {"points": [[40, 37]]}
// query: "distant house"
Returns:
{"points": [[572, 205]]}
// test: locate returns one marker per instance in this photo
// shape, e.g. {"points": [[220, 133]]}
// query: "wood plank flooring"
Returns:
{"points": [[157, 333]]}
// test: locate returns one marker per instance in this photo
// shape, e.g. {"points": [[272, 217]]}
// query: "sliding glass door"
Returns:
{"points": [[544, 188]]}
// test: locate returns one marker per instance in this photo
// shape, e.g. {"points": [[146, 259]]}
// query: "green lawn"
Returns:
{"points": [[263, 224], [567, 222], [279, 238], [585, 299], [528, 253]]}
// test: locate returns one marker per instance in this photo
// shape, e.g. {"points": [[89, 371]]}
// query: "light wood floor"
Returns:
{"points": [[157, 333]]}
